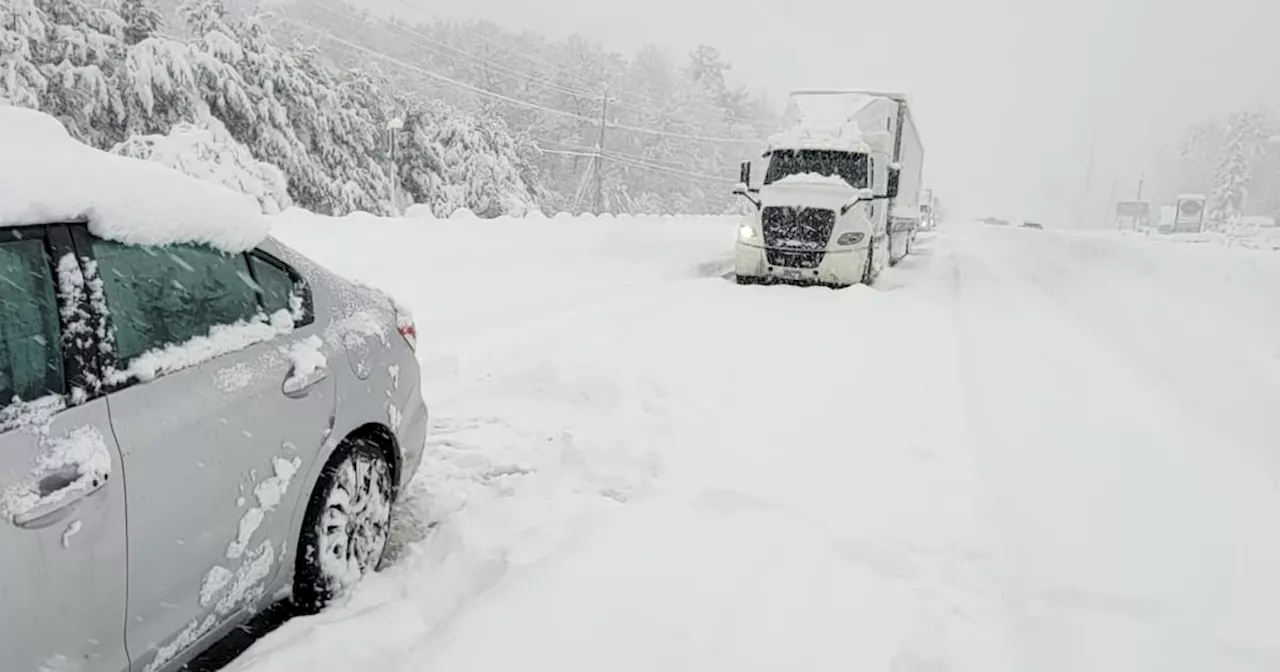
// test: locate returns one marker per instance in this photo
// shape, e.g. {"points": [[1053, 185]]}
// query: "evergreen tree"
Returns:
{"points": [[1244, 138], [141, 20]]}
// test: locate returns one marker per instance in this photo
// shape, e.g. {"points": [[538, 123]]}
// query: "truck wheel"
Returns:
{"points": [[744, 279], [345, 530]]}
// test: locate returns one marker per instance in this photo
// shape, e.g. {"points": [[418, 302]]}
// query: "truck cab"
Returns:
{"points": [[826, 211], [820, 218]]}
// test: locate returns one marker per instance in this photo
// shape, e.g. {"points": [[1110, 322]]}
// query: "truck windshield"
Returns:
{"points": [[848, 166]]}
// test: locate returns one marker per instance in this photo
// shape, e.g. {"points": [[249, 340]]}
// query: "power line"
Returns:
{"points": [[567, 148], [590, 151], [426, 42], [639, 165], [527, 57], [563, 152], [508, 99], [674, 171]]}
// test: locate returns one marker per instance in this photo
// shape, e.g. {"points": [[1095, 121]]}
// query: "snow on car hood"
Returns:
{"points": [[46, 176]]}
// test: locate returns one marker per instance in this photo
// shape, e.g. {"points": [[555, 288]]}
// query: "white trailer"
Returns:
{"points": [[840, 197]]}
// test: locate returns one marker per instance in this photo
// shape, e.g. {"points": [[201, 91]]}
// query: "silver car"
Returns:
{"points": [[186, 437]]}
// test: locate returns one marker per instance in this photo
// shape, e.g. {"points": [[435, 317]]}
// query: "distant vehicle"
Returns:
{"points": [[995, 221], [928, 216], [187, 431], [840, 197], [1032, 225]]}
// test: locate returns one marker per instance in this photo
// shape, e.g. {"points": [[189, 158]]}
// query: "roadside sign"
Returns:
{"points": [[1190, 214], [1137, 209]]}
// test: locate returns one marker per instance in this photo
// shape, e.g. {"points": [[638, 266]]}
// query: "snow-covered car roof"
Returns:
{"points": [[47, 176]]}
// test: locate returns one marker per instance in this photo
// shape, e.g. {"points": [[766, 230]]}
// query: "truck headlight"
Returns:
{"points": [[747, 232], [850, 238]]}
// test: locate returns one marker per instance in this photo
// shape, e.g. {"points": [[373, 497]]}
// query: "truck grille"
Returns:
{"points": [[796, 237]]}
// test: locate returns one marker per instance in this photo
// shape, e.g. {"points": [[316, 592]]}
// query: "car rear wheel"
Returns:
{"points": [[346, 526]]}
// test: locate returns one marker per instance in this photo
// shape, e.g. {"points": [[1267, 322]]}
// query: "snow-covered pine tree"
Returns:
{"points": [[64, 58], [1234, 172], [141, 20], [22, 32], [210, 153]]}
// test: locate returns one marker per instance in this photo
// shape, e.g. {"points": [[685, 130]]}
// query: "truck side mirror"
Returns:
{"points": [[891, 189], [744, 173]]}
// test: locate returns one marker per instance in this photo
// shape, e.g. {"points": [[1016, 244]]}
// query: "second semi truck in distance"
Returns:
{"points": [[840, 197]]}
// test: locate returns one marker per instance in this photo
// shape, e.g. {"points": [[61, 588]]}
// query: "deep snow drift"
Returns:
{"points": [[1021, 450]]}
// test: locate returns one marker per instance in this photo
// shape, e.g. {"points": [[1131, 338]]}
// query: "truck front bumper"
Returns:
{"points": [[838, 268]]}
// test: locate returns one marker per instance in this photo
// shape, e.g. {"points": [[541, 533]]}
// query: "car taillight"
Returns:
{"points": [[408, 330], [404, 323]]}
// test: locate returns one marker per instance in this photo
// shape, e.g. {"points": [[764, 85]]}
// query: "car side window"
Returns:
{"points": [[278, 286], [30, 335], [160, 296]]}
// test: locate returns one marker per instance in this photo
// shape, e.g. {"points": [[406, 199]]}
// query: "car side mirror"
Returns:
{"points": [[744, 174], [891, 189]]}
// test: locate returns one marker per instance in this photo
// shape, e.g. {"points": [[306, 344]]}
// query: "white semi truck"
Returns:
{"points": [[840, 195]]}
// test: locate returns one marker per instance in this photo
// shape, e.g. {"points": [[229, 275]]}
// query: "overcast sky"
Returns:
{"points": [[1009, 94]]}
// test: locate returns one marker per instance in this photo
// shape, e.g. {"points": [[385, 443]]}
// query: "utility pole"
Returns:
{"points": [[604, 110], [394, 125], [1082, 208]]}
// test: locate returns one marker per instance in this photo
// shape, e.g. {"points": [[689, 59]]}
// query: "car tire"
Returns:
{"points": [[345, 529]]}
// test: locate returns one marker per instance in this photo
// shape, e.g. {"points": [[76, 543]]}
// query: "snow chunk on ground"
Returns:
{"points": [[307, 359], [49, 177]]}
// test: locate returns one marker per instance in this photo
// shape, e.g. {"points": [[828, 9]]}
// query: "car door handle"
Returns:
{"points": [[297, 389], [60, 492]]}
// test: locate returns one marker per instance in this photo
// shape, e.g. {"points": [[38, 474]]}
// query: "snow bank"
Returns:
{"points": [[48, 177], [420, 211], [599, 438]]}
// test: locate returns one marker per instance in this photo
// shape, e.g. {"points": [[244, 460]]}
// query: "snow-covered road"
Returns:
{"points": [[1022, 450]]}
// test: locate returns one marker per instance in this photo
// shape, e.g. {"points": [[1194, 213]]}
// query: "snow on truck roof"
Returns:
{"points": [[825, 120], [845, 137], [47, 176]]}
